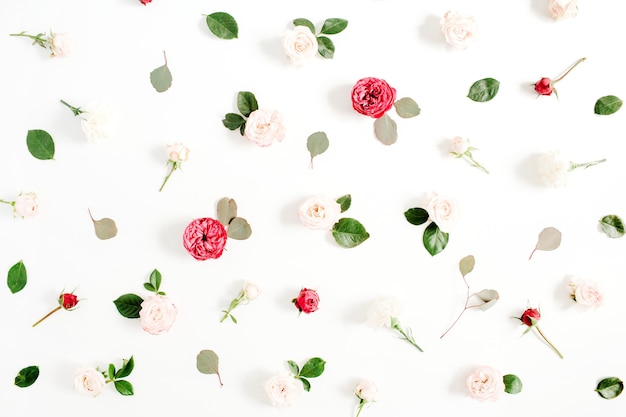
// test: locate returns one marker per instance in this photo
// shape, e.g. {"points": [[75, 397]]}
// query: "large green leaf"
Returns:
{"points": [[386, 130], [222, 25], [127, 367], [16, 278], [246, 103], [512, 384], [129, 305], [334, 25], [27, 376], [612, 225], [484, 90], [304, 22], [434, 239], [325, 47], [40, 144], [416, 216], [233, 121], [344, 202], [124, 387], [610, 387], [349, 233], [607, 105], [313, 368]]}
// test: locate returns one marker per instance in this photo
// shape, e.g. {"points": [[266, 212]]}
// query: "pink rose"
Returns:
{"points": [[460, 31], [372, 97], [444, 212], [157, 314], [561, 9], [307, 301], [264, 127], [205, 238], [485, 384], [586, 293], [26, 205]]}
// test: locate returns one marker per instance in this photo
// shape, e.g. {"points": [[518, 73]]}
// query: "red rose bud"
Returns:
{"points": [[544, 87], [145, 2], [67, 301], [307, 301], [530, 315]]}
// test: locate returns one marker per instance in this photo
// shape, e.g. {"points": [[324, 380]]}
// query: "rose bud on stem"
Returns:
{"points": [[530, 318], [67, 301], [545, 86]]}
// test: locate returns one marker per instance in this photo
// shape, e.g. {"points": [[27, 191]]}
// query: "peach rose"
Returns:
{"points": [[319, 212], [585, 292], [283, 390], [562, 9], [485, 384], [300, 45], [444, 212], [89, 381], [157, 314], [264, 127], [460, 31]]}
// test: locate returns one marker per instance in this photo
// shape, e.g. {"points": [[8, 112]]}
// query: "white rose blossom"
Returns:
{"points": [[177, 153], [97, 121], [158, 314], [61, 45], [444, 212], [264, 127], [553, 169], [460, 31], [319, 212], [367, 392], [89, 381], [562, 9], [460, 147], [585, 292], [251, 290], [383, 312], [300, 45], [25, 205], [283, 390], [485, 384]]}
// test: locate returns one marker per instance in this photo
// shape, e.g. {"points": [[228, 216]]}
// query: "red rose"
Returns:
{"points": [[372, 97], [530, 315], [205, 238], [68, 301], [544, 87], [145, 2], [307, 301]]}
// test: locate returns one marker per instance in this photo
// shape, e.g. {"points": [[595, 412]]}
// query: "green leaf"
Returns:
{"points": [[226, 210], [512, 384], [610, 387], [246, 103], [349, 233], [207, 362], [607, 105], [407, 107], [129, 305], [16, 278], [124, 387], [161, 77], [27, 376], [105, 227], [233, 121], [155, 279], [434, 239], [149, 287], [325, 47], [612, 225], [111, 371], [313, 368], [293, 367], [466, 265], [239, 229], [416, 216], [127, 367], [484, 90], [386, 130], [488, 297], [222, 25], [549, 239], [317, 143], [333, 26], [344, 202], [304, 22], [306, 384], [40, 144]]}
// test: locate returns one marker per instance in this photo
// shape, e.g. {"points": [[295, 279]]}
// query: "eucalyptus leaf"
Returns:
{"points": [[484, 90], [549, 239], [333, 26], [27, 376], [349, 233], [313, 368], [386, 130], [222, 25], [304, 22], [466, 265], [40, 144], [16, 277], [488, 297], [325, 47], [612, 225], [293, 367], [317, 143], [161, 77], [233, 121], [207, 362], [344, 202], [512, 384], [226, 210], [105, 227], [129, 305], [127, 367], [246, 103], [610, 388], [239, 229], [607, 105], [434, 239], [406, 107], [124, 387], [416, 216]]}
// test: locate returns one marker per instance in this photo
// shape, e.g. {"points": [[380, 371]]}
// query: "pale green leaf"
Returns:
{"points": [[105, 227], [207, 362], [317, 143], [488, 297], [222, 25], [406, 107], [607, 105], [161, 78], [466, 265], [612, 225], [386, 130], [226, 210], [40, 144], [549, 239], [239, 229]]}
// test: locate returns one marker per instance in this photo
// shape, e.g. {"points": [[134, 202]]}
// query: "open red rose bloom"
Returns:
{"points": [[205, 238], [372, 97], [307, 301]]}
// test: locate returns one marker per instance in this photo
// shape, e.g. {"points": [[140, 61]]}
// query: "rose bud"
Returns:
{"points": [[544, 87], [530, 318], [307, 301], [67, 301]]}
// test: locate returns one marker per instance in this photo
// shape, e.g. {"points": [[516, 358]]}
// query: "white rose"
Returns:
{"points": [[319, 212], [26, 205], [97, 121], [366, 390], [177, 153], [382, 310], [553, 170], [251, 290], [561, 9], [61, 45], [283, 389], [586, 293], [459, 145], [88, 380], [460, 31], [485, 384], [444, 212], [157, 314], [264, 127], [300, 45]]}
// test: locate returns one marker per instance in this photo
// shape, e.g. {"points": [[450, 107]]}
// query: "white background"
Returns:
{"points": [[120, 41]]}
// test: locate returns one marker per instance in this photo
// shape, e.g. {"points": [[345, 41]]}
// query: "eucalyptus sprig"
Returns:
{"points": [[312, 368], [115, 376], [331, 26]]}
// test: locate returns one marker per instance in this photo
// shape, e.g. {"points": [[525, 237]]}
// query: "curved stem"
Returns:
{"points": [[467, 298], [568, 70], [548, 342], [573, 166], [168, 175], [47, 315], [475, 163], [361, 404]]}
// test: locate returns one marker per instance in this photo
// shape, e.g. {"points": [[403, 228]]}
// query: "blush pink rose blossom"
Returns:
{"points": [[485, 384], [300, 45], [319, 212], [283, 390], [459, 31], [372, 97], [26, 205], [205, 238], [264, 127], [562, 9], [444, 212], [89, 381], [157, 314], [585, 292]]}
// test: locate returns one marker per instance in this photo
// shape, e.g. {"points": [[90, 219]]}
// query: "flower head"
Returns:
{"points": [[367, 392], [283, 390], [145, 2], [157, 314], [89, 381], [530, 317], [382, 310], [545, 85], [460, 147], [264, 127], [585, 292], [25, 205], [319, 212], [554, 170], [61, 45], [459, 31], [300, 45], [562, 9], [444, 212], [177, 153], [205, 238], [307, 301], [250, 290], [67, 301], [485, 384], [372, 97], [97, 121]]}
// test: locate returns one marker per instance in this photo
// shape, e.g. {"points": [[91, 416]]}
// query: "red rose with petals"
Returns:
{"points": [[307, 301], [530, 315], [68, 300], [544, 87], [372, 97], [145, 2], [205, 238]]}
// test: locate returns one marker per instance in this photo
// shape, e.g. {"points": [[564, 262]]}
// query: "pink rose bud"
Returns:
{"points": [[530, 315], [544, 87], [145, 2], [68, 301], [307, 301]]}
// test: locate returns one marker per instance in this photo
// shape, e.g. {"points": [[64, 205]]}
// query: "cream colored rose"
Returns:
{"points": [[283, 390], [61, 45], [300, 45], [562, 9], [251, 290], [553, 170], [366, 390], [264, 127], [382, 310], [157, 314], [485, 384], [585, 292], [460, 31], [89, 381], [177, 152], [444, 212], [26, 205], [459, 145], [98, 121], [319, 212]]}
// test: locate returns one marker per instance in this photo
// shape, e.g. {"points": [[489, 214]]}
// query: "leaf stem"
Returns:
{"points": [[75, 110], [174, 166], [47, 315], [469, 156], [165, 58], [467, 297], [395, 324], [219, 378], [585, 165], [548, 342], [361, 404], [568, 70], [12, 203]]}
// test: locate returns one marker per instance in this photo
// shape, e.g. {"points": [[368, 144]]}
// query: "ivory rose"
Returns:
{"points": [[459, 145], [459, 31], [485, 384], [562, 9], [264, 127], [366, 390], [300, 45], [382, 310], [97, 121], [283, 390], [319, 212], [61, 45], [585, 292], [251, 290], [205, 238], [89, 381], [26, 205], [372, 97], [157, 314], [444, 212], [553, 170], [177, 152]]}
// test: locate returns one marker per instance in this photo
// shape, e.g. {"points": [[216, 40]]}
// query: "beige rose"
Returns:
{"points": [[97, 121], [585, 292], [459, 145], [460, 31], [553, 170], [89, 381], [382, 310], [485, 384], [319, 212], [61, 45], [562, 9], [283, 390], [177, 153], [157, 314], [264, 127], [366, 390], [26, 205], [300, 45], [250, 290], [444, 212]]}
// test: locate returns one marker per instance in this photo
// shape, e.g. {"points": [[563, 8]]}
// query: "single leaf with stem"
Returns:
{"points": [[549, 239], [161, 77], [207, 362], [105, 227], [317, 143]]}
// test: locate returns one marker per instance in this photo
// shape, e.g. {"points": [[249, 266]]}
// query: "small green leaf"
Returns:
{"points": [[334, 25], [239, 229], [512, 384], [124, 387], [111, 371], [466, 265], [344, 202], [317, 143], [226, 210], [488, 297], [304, 22], [149, 287], [129, 305], [607, 105], [233, 121], [16, 278], [127, 367], [325, 47], [155, 279], [105, 227], [434, 239], [246, 103], [222, 25], [386, 130], [349, 233], [612, 225], [242, 129], [306, 384], [416, 216], [549, 239], [27, 376], [610, 387], [40, 144], [161, 77], [484, 90], [406, 107], [293, 367], [313, 368]]}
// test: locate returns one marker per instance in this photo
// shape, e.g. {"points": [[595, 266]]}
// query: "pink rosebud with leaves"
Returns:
{"points": [[67, 301], [530, 318], [307, 301]]}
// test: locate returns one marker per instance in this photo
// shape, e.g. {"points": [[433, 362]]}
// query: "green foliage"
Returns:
{"points": [[434, 239], [607, 105], [312, 368], [233, 121], [40, 144], [416, 216], [304, 22], [27, 376], [549, 239], [16, 277], [386, 130], [222, 25], [317, 143], [466, 265], [334, 25], [154, 283], [105, 228], [129, 305], [161, 77], [484, 90], [344, 202], [246, 103], [226, 210], [512, 384], [610, 388], [239, 229], [349, 233], [406, 107], [325, 47], [207, 362], [612, 225]]}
